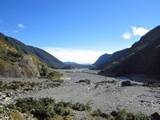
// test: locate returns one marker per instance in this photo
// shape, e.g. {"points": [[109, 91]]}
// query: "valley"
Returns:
{"points": [[80, 60], [87, 87], [120, 86]]}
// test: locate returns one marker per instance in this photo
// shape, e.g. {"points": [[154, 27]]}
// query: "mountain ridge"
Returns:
{"points": [[20, 60], [142, 58], [41, 54], [101, 61]]}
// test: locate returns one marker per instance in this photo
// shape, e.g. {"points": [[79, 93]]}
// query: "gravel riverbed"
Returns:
{"points": [[105, 93]]}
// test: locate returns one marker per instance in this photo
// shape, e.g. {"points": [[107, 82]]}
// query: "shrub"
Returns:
{"points": [[68, 118], [97, 112], [141, 116], [46, 108], [2, 109], [14, 85], [43, 70], [120, 115], [55, 76], [125, 115], [81, 107]]}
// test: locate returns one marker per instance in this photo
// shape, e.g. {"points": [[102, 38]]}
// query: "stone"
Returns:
{"points": [[155, 116], [126, 83], [84, 81]]}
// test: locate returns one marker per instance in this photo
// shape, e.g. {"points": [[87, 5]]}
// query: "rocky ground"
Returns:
{"points": [[85, 86]]}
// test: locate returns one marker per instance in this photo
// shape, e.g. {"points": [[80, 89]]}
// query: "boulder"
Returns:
{"points": [[155, 116], [84, 81], [126, 83]]}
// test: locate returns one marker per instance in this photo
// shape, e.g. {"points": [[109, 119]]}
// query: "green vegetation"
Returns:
{"points": [[4, 113], [8, 52], [17, 85], [43, 71], [53, 84], [99, 114], [20, 60], [55, 76], [81, 107], [120, 115], [27, 85], [2, 109], [46, 108]]}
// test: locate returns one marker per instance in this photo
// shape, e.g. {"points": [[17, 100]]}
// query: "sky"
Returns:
{"points": [[78, 30]]}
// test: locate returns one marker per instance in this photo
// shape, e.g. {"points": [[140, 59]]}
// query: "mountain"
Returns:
{"points": [[73, 65], [20, 60], [41, 54], [102, 61], [106, 60], [142, 58]]}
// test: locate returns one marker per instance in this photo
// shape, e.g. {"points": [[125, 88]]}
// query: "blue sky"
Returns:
{"points": [[78, 30]]}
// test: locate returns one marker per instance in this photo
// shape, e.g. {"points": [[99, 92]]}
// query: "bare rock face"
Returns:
{"points": [[142, 58], [23, 68], [15, 63], [29, 67]]}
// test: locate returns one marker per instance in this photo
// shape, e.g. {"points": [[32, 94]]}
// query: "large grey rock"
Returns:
{"points": [[155, 116], [126, 83]]}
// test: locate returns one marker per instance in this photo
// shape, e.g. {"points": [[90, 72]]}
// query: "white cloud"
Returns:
{"points": [[135, 31], [21, 26], [139, 31], [75, 55], [127, 36]]}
